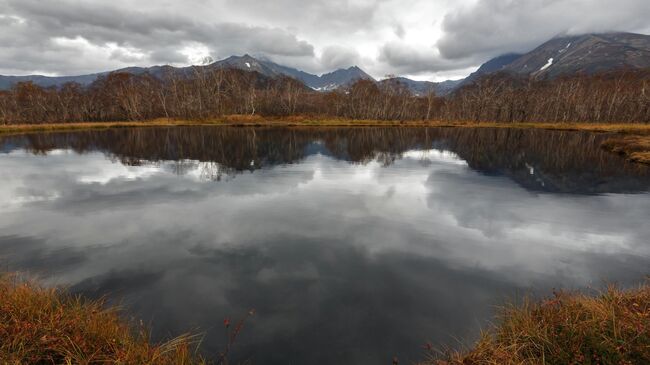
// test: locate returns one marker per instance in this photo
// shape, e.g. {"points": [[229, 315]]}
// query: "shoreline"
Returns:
{"points": [[633, 144], [257, 121]]}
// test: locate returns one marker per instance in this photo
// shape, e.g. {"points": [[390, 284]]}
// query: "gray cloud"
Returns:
{"points": [[405, 59], [412, 37], [45, 36], [399, 31], [493, 27], [334, 57], [321, 15]]}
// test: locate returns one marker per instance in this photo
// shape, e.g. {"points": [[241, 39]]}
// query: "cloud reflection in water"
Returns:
{"points": [[353, 246]]}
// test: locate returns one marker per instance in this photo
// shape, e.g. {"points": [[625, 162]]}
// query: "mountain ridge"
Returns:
{"points": [[325, 82], [562, 55], [586, 53]]}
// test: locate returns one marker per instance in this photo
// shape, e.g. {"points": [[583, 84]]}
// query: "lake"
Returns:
{"points": [[352, 245]]}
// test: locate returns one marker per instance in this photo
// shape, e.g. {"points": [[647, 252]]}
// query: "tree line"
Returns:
{"points": [[203, 93]]}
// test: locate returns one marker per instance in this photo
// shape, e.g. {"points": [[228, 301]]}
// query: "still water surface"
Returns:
{"points": [[352, 245]]}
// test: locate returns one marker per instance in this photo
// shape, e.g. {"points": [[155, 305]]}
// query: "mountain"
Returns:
{"points": [[325, 82], [570, 55], [421, 88], [328, 81], [7, 82], [559, 56], [589, 53], [446, 87], [341, 77], [494, 65]]}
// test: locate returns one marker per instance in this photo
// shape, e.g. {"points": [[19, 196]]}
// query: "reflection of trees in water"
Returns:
{"points": [[556, 161], [547, 160]]}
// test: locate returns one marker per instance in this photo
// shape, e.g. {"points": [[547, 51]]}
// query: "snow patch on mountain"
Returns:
{"points": [[547, 65]]}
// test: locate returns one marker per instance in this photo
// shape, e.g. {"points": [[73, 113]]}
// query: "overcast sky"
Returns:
{"points": [[423, 39]]}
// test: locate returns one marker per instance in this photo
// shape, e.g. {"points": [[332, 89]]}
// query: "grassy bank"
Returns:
{"points": [[48, 326], [569, 328], [299, 121], [634, 148]]}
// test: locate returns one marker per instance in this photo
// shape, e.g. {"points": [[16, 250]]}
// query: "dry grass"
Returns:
{"points": [[634, 148], [569, 328], [47, 326], [298, 120], [56, 127]]}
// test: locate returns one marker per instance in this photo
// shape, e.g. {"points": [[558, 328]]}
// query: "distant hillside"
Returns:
{"points": [[494, 65], [588, 53], [421, 88], [7, 82], [341, 77], [328, 81]]}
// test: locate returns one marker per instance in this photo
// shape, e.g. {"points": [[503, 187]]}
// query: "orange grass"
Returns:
{"points": [[298, 120], [634, 148], [568, 328], [48, 326]]}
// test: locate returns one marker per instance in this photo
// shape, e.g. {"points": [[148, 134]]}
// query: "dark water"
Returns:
{"points": [[352, 245]]}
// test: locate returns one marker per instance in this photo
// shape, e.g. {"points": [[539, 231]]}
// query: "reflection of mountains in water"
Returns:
{"points": [[554, 161]]}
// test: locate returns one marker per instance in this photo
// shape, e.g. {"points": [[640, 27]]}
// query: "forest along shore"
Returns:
{"points": [[633, 142], [610, 97]]}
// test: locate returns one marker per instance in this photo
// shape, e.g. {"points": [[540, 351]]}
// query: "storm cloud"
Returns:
{"points": [[424, 39]]}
